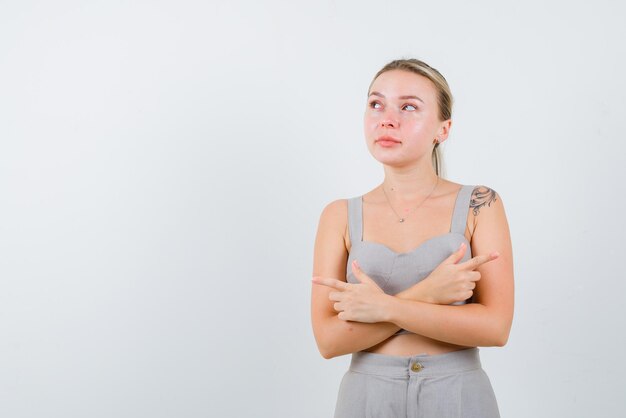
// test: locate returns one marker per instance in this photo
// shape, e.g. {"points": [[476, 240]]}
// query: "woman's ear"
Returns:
{"points": [[444, 130]]}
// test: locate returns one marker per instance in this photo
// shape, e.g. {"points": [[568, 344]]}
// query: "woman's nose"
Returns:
{"points": [[389, 119], [388, 122]]}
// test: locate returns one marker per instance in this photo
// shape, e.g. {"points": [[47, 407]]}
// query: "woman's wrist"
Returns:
{"points": [[390, 305], [416, 293]]}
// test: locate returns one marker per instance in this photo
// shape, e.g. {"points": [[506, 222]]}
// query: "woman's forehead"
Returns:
{"points": [[397, 83]]}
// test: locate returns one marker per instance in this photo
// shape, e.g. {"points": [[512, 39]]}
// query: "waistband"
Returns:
{"points": [[421, 364]]}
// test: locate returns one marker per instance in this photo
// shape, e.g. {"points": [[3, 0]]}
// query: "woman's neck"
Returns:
{"points": [[409, 186]]}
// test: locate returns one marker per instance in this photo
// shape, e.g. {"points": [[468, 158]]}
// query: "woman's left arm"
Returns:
{"points": [[487, 321]]}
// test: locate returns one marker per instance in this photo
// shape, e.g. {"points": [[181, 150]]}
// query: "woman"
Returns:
{"points": [[415, 274]]}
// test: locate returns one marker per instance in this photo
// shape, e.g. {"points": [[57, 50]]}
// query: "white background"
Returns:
{"points": [[163, 166]]}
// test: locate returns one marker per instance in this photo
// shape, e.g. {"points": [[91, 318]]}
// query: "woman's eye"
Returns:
{"points": [[409, 107], [375, 105]]}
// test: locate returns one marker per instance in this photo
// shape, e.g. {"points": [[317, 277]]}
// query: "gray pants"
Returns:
{"points": [[450, 385]]}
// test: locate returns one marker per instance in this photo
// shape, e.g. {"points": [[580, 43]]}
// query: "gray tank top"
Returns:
{"points": [[395, 272]]}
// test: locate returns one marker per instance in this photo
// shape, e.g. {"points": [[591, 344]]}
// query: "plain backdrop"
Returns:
{"points": [[163, 166]]}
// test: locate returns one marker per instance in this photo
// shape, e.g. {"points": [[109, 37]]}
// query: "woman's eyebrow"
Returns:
{"points": [[375, 93], [411, 97]]}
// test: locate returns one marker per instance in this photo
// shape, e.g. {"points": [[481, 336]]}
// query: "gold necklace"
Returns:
{"points": [[400, 219]]}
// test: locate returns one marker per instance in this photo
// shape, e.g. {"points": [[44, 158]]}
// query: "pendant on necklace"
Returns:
{"points": [[401, 219]]}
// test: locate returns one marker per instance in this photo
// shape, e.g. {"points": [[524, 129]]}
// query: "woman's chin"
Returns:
{"points": [[391, 160]]}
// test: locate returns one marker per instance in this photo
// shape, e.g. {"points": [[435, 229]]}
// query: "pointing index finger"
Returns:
{"points": [[480, 259]]}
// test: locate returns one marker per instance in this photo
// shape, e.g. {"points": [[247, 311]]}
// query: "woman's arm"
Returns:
{"points": [[487, 322], [334, 336]]}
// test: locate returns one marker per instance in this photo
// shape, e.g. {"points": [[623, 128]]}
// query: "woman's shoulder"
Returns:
{"points": [[336, 211], [485, 208], [335, 214], [337, 206], [480, 194], [334, 220], [483, 197]]}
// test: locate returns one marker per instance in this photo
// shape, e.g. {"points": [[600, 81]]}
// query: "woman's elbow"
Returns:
{"points": [[500, 335], [326, 350], [327, 354], [501, 340], [324, 344]]}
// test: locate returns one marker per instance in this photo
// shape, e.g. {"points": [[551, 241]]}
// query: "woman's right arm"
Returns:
{"points": [[336, 337]]}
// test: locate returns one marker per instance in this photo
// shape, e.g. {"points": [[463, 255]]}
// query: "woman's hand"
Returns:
{"points": [[362, 302], [450, 282]]}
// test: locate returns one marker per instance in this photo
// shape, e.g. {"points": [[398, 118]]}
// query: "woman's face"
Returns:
{"points": [[402, 118]]}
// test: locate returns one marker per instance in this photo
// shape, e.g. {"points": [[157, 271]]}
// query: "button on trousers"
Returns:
{"points": [[450, 385]]}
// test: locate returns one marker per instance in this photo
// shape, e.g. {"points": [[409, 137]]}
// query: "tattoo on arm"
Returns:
{"points": [[481, 196]]}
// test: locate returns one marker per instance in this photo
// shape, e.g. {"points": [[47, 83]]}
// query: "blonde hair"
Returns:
{"points": [[444, 96]]}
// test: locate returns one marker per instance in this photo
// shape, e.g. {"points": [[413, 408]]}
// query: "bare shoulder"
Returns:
{"points": [[334, 221], [485, 207], [484, 196], [335, 209], [335, 215]]}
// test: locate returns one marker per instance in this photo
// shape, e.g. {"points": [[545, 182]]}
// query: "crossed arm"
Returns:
{"points": [[362, 315]]}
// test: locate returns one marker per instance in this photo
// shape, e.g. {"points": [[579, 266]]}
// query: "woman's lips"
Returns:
{"points": [[387, 141]]}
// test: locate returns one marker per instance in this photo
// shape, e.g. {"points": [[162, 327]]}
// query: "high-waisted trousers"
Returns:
{"points": [[450, 385]]}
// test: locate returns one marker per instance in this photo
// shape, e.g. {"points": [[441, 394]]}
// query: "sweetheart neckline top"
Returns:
{"points": [[455, 227], [422, 244], [395, 271]]}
